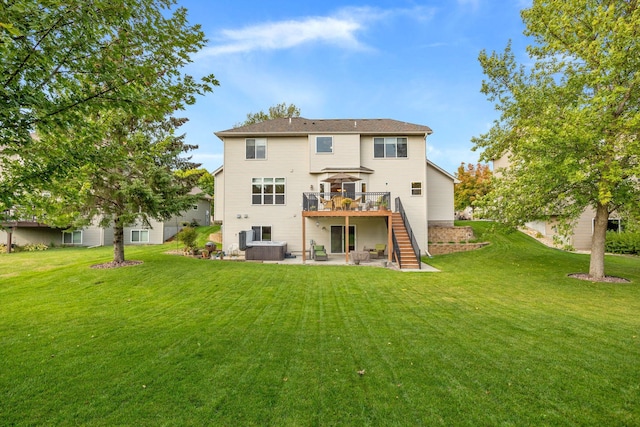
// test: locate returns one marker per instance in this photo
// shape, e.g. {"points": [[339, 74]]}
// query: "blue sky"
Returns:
{"points": [[414, 61]]}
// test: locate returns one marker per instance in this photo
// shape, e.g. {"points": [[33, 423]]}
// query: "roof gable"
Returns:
{"points": [[442, 171]]}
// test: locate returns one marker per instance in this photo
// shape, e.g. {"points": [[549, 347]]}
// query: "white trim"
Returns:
{"points": [[384, 145], [72, 233], [274, 194], [262, 141], [261, 227], [593, 223], [324, 152], [140, 232], [420, 188], [442, 171]]}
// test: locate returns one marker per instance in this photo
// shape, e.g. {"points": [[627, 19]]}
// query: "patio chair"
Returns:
{"points": [[355, 204], [319, 254], [378, 251], [337, 202], [326, 204]]}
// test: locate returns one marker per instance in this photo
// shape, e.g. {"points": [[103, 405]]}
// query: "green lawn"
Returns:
{"points": [[500, 337]]}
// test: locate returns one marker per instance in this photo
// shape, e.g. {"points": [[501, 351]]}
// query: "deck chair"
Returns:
{"points": [[356, 203], [326, 204], [337, 202], [378, 251], [319, 254]]}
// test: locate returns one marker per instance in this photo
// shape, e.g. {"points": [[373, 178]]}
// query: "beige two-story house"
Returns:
{"points": [[349, 185]]}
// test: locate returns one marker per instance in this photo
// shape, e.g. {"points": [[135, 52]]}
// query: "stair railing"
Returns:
{"points": [[396, 249], [407, 226]]}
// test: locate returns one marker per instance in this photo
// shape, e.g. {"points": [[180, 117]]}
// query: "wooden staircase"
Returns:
{"points": [[407, 256]]}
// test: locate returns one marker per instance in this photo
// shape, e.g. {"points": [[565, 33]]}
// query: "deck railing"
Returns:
{"points": [[345, 200]]}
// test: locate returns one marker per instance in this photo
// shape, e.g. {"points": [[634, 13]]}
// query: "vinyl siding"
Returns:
{"points": [[440, 197], [287, 157], [346, 153], [395, 175]]}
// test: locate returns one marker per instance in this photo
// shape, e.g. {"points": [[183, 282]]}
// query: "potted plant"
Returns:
{"points": [[346, 202], [383, 204]]}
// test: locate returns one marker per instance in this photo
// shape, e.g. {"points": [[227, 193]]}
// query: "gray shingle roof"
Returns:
{"points": [[302, 126]]}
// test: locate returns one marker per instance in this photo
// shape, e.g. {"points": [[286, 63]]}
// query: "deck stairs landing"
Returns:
{"points": [[407, 256]]}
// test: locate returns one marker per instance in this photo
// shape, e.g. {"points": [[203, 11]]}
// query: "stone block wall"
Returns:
{"points": [[450, 234], [448, 240], [449, 248]]}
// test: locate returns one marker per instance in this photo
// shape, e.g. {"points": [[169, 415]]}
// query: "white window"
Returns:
{"points": [[256, 148], [416, 188], [324, 144], [613, 224], [72, 237], [139, 236], [268, 191], [262, 233], [389, 147]]}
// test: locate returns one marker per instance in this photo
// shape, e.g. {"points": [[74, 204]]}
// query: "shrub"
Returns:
{"points": [[623, 243], [188, 236], [34, 247]]}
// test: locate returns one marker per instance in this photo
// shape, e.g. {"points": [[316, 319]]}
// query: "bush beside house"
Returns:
{"points": [[623, 243]]}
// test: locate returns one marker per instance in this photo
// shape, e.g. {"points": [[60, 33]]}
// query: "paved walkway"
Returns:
{"points": [[340, 260]]}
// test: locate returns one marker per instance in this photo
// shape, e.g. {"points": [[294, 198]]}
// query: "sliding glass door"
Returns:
{"points": [[338, 239]]}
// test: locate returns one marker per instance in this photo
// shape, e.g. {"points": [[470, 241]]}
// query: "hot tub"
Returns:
{"points": [[261, 250]]}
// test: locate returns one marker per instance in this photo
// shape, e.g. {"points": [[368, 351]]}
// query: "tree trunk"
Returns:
{"points": [[596, 264], [118, 242], [9, 239]]}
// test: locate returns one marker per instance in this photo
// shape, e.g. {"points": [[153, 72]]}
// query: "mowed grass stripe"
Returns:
{"points": [[500, 336]]}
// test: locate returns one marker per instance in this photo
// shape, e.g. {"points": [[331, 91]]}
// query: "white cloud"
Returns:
{"points": [[287, 34], [339, 29]]}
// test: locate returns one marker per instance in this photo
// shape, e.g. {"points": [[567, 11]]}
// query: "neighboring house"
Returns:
{"points": [[287, 180], [31, 231], [582, 233]]}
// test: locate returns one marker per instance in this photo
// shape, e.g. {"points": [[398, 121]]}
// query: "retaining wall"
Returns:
{"points": [[448, 240]]}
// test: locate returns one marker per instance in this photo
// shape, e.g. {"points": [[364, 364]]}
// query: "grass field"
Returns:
{"points": [[501, 336]]}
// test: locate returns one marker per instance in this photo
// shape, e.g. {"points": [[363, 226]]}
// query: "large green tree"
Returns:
{"points": [[277, 111], [139, 176], [570, 123], [63, 61]]}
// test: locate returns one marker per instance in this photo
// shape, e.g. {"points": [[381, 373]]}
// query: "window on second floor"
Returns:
{"points": [[324, 144], [416, 188], [256, 148], [267, 191], [390, 147]]}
